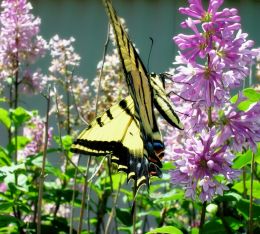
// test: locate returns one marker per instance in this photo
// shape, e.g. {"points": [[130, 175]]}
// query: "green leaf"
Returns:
{"points": [[165, 230], [124, 216], [6, 206], [194, 231], [242, 160], [252, 98], [233, 223], [252, 94], [4, 118], [118, 180], [168, 166], [20, 116], [239, 186], [231, 196], [173, 195], [5, 220], [22, 141], [243, 208], [214, 226], [66, 141], [4, 157]]}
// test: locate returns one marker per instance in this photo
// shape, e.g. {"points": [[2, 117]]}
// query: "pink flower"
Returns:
{"points": [[3, 187], [240, 128], [20, 43], [35, 131], [198, 163]]}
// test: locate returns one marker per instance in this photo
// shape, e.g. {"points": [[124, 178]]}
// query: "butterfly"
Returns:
{"points": [[128, 131]]}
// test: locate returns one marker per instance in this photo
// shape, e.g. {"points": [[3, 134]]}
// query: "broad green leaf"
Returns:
{"points": [[6, 207], [4, 157], [243, 207], [170, 196], [194, 231], [118, 180], [214, 226], [166, 230], [5, 220], [252, 94], [230, 196], [242, 159], [124, 215], [66, 142], [168, 166], [20, 116], [4, 118], [233, 223], [252, 98], [239, 186], [245, 105], [22, 141]]}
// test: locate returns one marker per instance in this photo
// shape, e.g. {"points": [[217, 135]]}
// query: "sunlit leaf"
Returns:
{"points": [[166, 230], [19, 116], [4, 118], [118, 179], [242, 159], [170, 196], [18, 143], [239, 186], [4, 157]]}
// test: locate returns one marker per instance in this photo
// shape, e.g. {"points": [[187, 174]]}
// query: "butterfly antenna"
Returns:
{"points": [[149, 56]]}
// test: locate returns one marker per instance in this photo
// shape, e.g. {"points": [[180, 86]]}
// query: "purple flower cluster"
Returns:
{"points": [[20, 43], [35, 131], [213, 61]]}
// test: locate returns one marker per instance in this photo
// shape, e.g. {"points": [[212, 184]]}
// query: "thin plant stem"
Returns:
{"points": [[83, 199], [134, 208], [113, 211], [42, 175], [73, 199], [202, 218], [250, 231], [244, 183]]}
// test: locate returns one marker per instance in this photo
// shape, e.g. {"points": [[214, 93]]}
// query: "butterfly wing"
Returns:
{"points": [[116, 133], [162, 103], [141, 91]]}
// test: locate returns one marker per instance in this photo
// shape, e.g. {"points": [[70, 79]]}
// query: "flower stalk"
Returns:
{"points": [[44, 157]]}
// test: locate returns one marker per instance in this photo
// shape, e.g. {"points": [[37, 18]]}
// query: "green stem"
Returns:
{"points": [[244, 183], [202, 218], [210, 122], [41, 182], [251, 195], [83, 200]]}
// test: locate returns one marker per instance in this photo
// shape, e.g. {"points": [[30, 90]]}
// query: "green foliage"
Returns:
{"points": [[19, 116], [4, 118], [166, 229], [252, 97]]}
